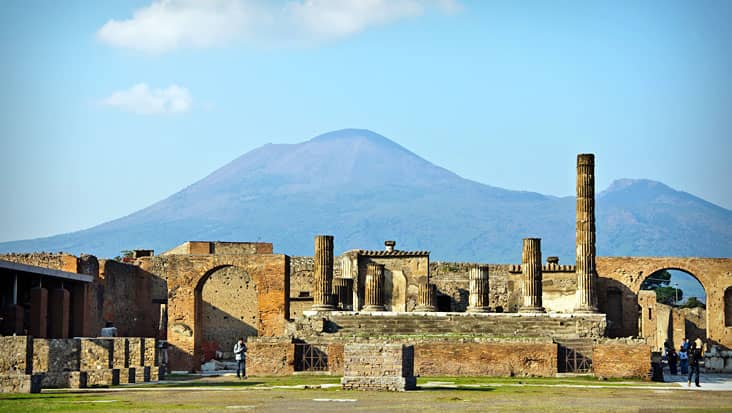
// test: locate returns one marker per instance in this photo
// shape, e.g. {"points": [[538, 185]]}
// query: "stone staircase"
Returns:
{"points": [[492, 325]]}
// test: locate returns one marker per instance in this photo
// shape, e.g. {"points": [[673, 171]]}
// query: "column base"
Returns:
{"points": [[425, 309], [478, 310], [532, 310], [370, 308], [587, 310], [323, 307]]}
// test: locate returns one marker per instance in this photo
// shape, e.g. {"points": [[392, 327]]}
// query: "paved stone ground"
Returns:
{"points": [[708, 382]]}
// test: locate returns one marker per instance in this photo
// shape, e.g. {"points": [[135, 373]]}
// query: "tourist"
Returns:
{"points": [[672, 358], [240, 350], [695, 356], [686, 344], [699, 343], [684, 360]]}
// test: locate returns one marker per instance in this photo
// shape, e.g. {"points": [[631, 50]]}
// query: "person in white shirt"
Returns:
{"points": [[240, 350]]}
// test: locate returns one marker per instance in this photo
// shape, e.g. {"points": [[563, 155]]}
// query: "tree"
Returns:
{"points": [[659, 282], [693, 302]]}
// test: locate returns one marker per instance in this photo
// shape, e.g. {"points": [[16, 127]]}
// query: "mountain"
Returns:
{"points": [[364, 188]]}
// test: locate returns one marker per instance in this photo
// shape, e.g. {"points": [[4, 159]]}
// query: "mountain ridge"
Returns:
{"points": [[364, 188]]}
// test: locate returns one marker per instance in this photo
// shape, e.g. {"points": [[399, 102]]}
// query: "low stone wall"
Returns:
{"points": [[617, 360], [387, 367], [485, 359], [20, 383], [267, 357], [96, 354], [56, 355], [64, 380]]}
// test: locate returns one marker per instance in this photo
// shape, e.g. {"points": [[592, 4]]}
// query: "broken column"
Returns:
{"points": [[479, 289], [39, 312], [426, 297], [374, 293], [323, 273], [59, 313], [531, 276], [343, 291], [586, 299]]}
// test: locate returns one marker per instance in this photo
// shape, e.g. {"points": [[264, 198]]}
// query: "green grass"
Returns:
{"points": [[70, 402]]}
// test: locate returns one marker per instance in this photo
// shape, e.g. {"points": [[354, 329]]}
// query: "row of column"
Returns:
{"points": [[49, 314]]}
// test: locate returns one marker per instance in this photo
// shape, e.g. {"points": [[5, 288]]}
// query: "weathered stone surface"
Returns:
{"points": [[102, 377], [479, 289], [56, 355], [120, 353], [586, 235], [531, 276], [96, 354], [622, 360], [64, 380], [150, 352], [374, 290], [135, 348], [128, 375], [485, 359], [20, 383], [270, 357], [323, 273], [387, 367], [15, 356], [142, 374]]}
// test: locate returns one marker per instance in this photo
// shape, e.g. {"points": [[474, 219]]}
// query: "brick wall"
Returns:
{"points": [[485, 359], [622, 360], [270, 358]]}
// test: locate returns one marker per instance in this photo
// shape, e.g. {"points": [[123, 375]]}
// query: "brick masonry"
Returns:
{"points": [[622, 360], [387, 367], [270, 357], [485, 359]]}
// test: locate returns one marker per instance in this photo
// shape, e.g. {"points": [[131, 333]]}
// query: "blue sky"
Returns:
{"points": [[107, 107]]}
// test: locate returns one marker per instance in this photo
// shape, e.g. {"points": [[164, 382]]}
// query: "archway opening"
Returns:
{"points": [[226, 309], [672, 307]]}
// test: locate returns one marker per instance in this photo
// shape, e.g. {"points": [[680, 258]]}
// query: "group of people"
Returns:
{"points": [[687, 359]]}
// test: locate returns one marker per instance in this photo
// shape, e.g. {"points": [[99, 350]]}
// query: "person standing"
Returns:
{"points": [[684, 360], [240, 350], [672, 359], [695, 356]]}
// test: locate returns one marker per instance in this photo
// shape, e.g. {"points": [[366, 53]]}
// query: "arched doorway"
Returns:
{"points": [[226, 309], [672, 306]]}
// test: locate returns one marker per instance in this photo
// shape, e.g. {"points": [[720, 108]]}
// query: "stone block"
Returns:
{"points": [[128, 375], [96, 354], [20, 383], [622, 360], [149, 355], [388, 367], [15, 357], [121, 352], [64, 379], [142, 374], [56, 355], [135, 352], [102, 377]]}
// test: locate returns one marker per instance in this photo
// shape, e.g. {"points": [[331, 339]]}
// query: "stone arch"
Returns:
{"points": [[226, 307], [714, 274]]}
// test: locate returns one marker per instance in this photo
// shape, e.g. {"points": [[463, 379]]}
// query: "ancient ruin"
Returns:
{"points": [[328, 313]]}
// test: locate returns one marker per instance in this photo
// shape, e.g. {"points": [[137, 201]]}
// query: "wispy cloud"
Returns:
{"points": [[167, 25], [143, 100]]}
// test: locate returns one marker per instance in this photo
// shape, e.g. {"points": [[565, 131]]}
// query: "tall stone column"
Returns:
{"points": [[479, 289], [586, 299], [39, 312], [426, 297], [374, 290], [343, 291], [531, 276], [59, 313], [323, 273]]}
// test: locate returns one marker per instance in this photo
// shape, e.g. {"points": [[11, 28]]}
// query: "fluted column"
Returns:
{"points": [[323, 273], [479, 289], [586, 299], [374, 293], [531, 276], [343, 292], [426, 297]]}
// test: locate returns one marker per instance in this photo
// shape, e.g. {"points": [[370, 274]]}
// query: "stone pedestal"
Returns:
{"points": [[39, 312], [585, 240], [531, 276], [323, 273], [343, 291], [426, 297], [387, 367], [374, 292], [59, 313], [479, 289]]}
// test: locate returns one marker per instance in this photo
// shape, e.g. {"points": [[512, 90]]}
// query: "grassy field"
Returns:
{"points": [[192, 393]]}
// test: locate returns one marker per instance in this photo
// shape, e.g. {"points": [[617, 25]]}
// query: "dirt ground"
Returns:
{"points": [[216, 396]]}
